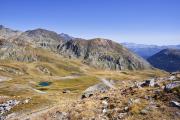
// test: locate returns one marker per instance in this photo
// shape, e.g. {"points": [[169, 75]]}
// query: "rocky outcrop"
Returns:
{"points": [[171, 86], [12, 70], [94, 89], [175, 104], [43, 69], [7, 106]]}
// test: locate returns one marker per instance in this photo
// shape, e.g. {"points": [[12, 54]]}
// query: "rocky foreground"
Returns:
{"points": [[152, 99]]}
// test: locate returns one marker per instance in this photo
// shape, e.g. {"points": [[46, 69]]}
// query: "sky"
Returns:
{"points": [[134, 21]]}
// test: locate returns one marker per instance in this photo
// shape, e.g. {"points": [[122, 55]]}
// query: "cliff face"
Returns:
{"points": [[103, 53]]}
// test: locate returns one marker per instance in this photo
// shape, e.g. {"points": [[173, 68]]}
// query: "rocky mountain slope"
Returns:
{"points": [[8, 33], [167, 59], [103, 53], [147, 51], [100, 53]]}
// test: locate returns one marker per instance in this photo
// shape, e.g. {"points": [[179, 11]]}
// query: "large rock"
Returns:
{"points": [[94, 89], [175, 104], [62, 116], [169, 87], [146, 83], [7, 106]]}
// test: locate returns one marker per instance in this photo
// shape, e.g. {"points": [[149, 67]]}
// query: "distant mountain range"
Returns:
{"points": [[99, 53], [147, 51], [167, 59]]}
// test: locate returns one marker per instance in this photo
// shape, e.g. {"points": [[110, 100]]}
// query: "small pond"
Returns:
{"points": [[45, 83]]}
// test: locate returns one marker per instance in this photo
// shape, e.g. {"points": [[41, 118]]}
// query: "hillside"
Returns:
{"points": [[147, 51], [99, 53], [167, 59], [103, 53]]}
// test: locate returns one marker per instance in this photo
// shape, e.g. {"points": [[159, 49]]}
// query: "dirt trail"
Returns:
{"points": [[31, 115], [65, 77]]}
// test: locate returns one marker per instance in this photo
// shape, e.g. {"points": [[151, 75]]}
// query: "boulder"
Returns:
{"points": [[150, 83], [62, 116], [132, 101], [66, 91], [171, 86], [175, 104], [7, 106], [172, 77], [122, 115], [144, 112], [94, 89], [146, 83]]}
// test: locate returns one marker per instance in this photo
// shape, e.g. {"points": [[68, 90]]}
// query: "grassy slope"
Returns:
{"points": [[21, 86]]}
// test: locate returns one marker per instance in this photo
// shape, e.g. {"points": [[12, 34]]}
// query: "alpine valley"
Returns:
{"points": [[49, 76]]}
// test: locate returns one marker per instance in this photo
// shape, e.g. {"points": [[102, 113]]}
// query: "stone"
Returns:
{"points": [[62, 116], [104, 98], [122, 115], [172, 77], [26, 101], [126, 109], [105, 103], [104, 110], [146, 83], [171, 86], [66, 91], [175, 104], [2, 117], [144, 112], [94, 89], [7, 106], [137, 84], [132, 101], [150, 83]]}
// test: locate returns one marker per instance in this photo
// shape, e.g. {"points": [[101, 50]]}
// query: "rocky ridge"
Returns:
{"points": [[99, 53]]}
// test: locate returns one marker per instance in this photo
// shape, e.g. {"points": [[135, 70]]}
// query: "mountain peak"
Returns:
{"points": [[39, 31], [66, 36]]}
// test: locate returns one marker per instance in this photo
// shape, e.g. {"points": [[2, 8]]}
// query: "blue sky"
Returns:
{"points": [[138, 21]]}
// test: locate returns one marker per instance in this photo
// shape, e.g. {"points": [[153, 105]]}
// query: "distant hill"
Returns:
{"points": [[146, 51], [167, 59]]}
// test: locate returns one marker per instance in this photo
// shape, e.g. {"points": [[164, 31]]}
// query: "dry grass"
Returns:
{"points": [[20, 87]]}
